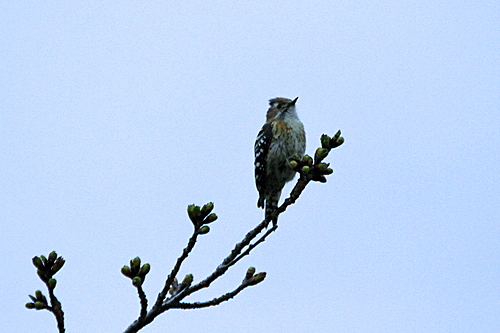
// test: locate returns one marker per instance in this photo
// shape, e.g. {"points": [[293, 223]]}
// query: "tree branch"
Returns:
{"points": [[144, 302], [308, 171], [56, 309]]}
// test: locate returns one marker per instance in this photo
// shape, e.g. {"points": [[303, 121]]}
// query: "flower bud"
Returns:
{"points": [[58, 265], [206, 209], [323, 166], [38, 295], [307, 160], [188, 280], [137, 281], [305, 169], [293, 164], [52, 283], [145, 269], [250, 272], [30, 305], [320, 154], [204, 230], [44, 259], [328, 171], [210, 218], [135, 264], [39, 305], [194, 212], [337, 140], [259, 277], [325, 141], [126, 271], [52, 257], [37, 262]]}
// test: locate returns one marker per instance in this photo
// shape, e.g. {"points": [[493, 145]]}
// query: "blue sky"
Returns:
{"points": [[115, 117]]}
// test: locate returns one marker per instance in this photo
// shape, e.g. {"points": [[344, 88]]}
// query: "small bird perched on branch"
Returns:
{"points": [[281, 137]]}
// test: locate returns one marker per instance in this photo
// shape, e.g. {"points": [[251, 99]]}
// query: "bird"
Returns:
{"points": [[281, 137]]}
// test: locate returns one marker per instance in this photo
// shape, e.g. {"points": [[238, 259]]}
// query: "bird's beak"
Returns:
{"points": [[295, 100]]}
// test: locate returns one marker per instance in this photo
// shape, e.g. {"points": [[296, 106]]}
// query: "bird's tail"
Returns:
{"points": [[271, 208]]}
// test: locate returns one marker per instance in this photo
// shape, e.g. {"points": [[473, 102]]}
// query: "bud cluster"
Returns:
{"points": [[333, 142], [136, 272], [39, 301], [253, 278], [202, 216], [315, 169], [48, 267]]}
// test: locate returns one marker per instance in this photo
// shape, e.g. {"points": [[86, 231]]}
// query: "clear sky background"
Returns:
{"points": [[115, 117]]}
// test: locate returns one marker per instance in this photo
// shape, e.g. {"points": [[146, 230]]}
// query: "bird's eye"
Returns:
{"points": [[280, 105]]}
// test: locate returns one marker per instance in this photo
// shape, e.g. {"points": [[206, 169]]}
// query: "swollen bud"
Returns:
{"points": [[328, 171], [38, 295], [44, 259], [126, 271], [137, 281], [30, 305], [210, 218], [337, 140], [325, 141], [52, 257], [307, 160], [39, 305], [305, 169], [259, 277], [194, 213], [188, 280], [190, 209], [206, 209], [58, 265], [145, 269], [320, 154], [250, 272], [323, 166], [204, 230], [294, 164], [135, 264], [52, 283], [37, 262]]}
